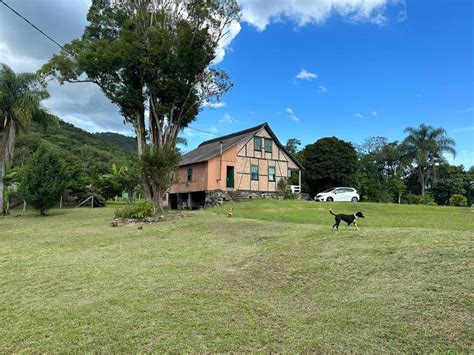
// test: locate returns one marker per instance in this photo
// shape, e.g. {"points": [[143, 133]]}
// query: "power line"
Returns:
{"points": [[202, 131], [32, 24], [62, 47]]}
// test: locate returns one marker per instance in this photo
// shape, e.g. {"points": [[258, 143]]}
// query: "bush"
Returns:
{"points": [[43, 179], [135, 211], [458, 200], [418, 199], [283, 190]]}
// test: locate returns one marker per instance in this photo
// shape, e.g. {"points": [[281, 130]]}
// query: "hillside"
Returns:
{"points": [[126, 143], [94, 152]]}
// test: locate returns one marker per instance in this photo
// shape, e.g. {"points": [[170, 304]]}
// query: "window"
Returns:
{"points": [[257, 143], [253, 172], [271, 174], [268, 145], [190, 174]]}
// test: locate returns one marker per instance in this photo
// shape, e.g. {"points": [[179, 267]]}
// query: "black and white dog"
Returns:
{"points": [[348, 218]]}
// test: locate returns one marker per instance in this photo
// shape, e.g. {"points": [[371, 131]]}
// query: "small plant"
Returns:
{"points": [[458, 200], [135, 211]]}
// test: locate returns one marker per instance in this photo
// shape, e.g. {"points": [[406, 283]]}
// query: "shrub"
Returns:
{"points": [[43, 179], [136, 211], [458, 200], [418, 199], [283, 190]]}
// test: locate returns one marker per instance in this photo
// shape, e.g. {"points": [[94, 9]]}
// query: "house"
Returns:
{"points": [[238, 166]]}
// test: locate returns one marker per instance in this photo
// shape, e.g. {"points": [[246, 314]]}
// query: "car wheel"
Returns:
{"points": [[329, 199], [354, 199]]}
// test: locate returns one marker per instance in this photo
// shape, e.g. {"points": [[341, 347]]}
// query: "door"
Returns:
{"points": [[344, 195], [338, 195], [230, 177]]}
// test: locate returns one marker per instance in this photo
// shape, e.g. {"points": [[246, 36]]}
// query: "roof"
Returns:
{"points": [[211, 148]]}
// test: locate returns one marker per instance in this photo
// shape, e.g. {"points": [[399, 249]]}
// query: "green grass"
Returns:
{"points": [[273, 278]]}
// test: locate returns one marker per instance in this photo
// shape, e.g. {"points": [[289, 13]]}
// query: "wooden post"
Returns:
{"points": [[92, 201], [190, 201], [24, 205], [299, 181], [61, 202]]}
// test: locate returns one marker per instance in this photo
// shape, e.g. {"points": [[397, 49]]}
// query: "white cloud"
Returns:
{"points": [[260, 13], [224, 43], [227, 119], [292, 115], [358, 115], [322, 89], [218, 104], [306, 75], [374, 113]]}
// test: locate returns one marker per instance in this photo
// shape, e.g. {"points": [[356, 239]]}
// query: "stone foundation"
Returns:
{"points": [[219, 197]]}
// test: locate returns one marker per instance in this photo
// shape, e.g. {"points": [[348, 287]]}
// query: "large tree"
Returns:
{"points": [[329, 162], [20, 104], [151, 56], [424, 147], [379, 177]]}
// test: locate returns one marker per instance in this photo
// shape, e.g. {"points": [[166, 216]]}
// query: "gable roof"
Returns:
{"points": [[212, 148]]}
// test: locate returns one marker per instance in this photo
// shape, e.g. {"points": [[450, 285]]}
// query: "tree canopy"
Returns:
{"points": [[329, 162], [424, 147], [151, 56]]}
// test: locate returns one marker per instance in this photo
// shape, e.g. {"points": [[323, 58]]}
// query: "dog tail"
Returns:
{"points": [[331, 212]]}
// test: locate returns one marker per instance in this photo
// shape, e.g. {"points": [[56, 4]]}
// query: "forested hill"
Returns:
{"points": [[119, 140], [95, 153]]}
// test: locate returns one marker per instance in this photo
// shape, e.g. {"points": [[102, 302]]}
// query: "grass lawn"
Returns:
{"points": [[275, 277]]}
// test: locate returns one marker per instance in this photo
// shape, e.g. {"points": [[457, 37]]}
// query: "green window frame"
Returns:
{"points": [[268, 145], [254, 172], [271, 174], [257, 143], [190, 174]]}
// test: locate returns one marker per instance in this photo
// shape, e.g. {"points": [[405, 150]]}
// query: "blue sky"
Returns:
{"points": [[371, 80], [367, 68]]}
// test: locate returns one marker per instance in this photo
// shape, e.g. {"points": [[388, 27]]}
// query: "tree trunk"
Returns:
{"points": [[422, 181], [141, 148]]}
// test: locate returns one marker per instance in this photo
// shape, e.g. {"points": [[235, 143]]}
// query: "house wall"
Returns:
{"points": [[247, 156], [217, 176], [199, 180]]}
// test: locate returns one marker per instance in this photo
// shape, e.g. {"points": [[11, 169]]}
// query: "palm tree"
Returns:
{"points": [[424, 146], [20, 104]]}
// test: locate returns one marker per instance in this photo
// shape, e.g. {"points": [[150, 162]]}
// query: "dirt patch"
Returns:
{"points": [[131, 222]]}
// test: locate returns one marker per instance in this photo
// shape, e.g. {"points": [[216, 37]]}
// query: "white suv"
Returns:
{"points": [[338, 194]]}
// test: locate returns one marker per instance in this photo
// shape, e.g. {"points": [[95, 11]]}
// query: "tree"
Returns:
{"points": [[155, 56], [292, 145], [424, 146], [380, 170], [159, 167], [450, 181], [20, 104], [329, 162], [118, 180], [43, 179]]}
